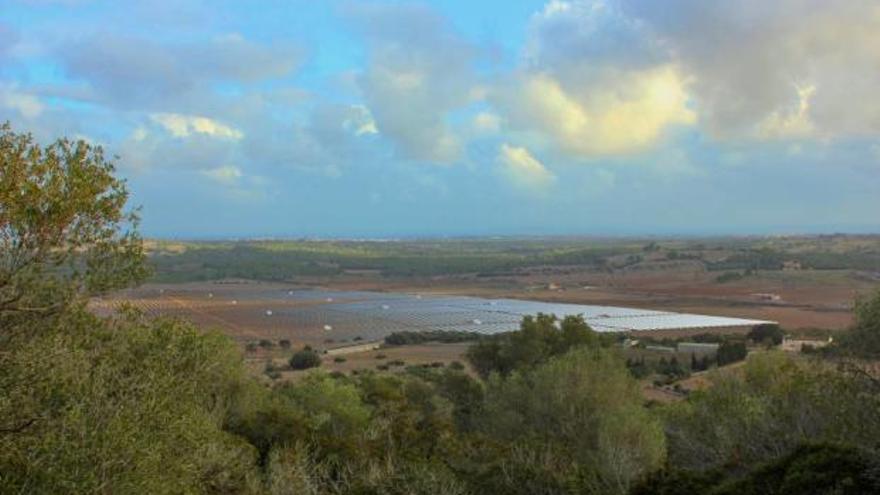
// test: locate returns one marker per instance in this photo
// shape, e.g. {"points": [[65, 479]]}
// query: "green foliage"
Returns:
{"points": [[729, 277], [101, 406], [753, 259], [810, 469], [305, 359], [539, 338], [731, 352], [445, 336], [767, 333], [863, 339], [778, 403], [62, 236], [576, 421]]}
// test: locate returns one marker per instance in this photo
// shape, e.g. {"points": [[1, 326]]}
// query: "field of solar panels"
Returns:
{"points": [[332, 318]]}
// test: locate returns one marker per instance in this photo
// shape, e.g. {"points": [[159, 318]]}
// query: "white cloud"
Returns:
{"points": [[593, 83], [625, 113], [227, 175], [790, 123], [26, 104], [361, 121], [419, 70], [185, 125], [487, 122], [524, 170]]}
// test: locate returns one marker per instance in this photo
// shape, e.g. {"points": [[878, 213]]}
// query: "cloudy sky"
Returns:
{"points": [[354, 118]]}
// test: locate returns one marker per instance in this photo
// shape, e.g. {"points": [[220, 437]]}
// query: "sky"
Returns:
{"points": [[305, 118]]}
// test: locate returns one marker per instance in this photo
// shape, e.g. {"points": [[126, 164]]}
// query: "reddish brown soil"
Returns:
{"points": [[806, 299]]}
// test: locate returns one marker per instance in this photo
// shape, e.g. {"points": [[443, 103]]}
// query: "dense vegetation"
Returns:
{"points": [[134, 405], [284, 260], [444, 336]]}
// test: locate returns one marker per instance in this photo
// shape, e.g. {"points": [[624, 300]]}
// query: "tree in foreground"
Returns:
{"points": [[90, 405], [575, 423], [778, 403], [538, 339], [64, 233], [862, 340]]}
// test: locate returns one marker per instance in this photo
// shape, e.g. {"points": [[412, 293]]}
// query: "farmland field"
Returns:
{"points": [[230, 287]]}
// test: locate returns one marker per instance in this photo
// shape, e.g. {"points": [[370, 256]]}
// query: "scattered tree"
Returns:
{"points": [[305, 359]]}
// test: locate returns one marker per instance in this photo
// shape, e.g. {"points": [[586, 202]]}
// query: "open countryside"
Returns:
{"points": [[439, 247]]}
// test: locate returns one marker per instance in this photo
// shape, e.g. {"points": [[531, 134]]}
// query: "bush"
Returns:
{"points": [[538, 339], [272, 372], [444, 336], [768, 408], [381, 356], [251, 347], [808, 470], [456, 365], [863, 339], [266, 344], [339, 359], [731, 352], [587, 391], [767, 333], [728, 277], [305, 359], [284, 344]]}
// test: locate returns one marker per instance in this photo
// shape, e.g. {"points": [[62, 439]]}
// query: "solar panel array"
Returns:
{"points": [[374, 315]]}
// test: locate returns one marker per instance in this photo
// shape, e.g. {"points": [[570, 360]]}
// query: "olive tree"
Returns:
{"points": [[98, 405], [65, 234]]}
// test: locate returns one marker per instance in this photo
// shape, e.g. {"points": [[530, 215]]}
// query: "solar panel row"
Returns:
{"points": [[375, 314]]}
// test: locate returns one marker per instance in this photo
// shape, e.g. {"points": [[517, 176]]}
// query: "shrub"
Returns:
{"points": [[305, 359], [445, 336], [539, 338], [731, 352], [284, 344], [266, 344], [863, 339], [381, 356], [251, 347], [728, 277], [396, 362], [456, 365], [382, 367], [339, 359], [769, 333]]}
